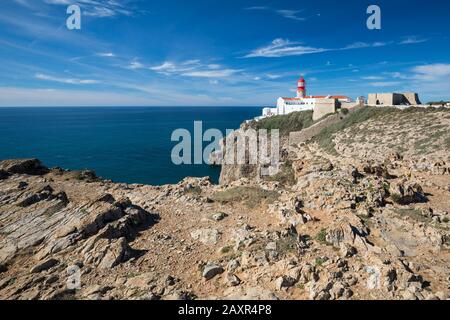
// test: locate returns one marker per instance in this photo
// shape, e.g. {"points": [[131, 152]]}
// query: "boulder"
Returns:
{"points": [[232, 280], [45, 265], [219, 216], [24, 166], [117, 252], [285, 282], [406, 192], [206, 236], [211, 270], [4, 174]]}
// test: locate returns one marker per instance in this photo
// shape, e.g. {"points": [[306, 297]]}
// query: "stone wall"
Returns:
{"points": [[324, 107], [393, 99], [412, 98], [309, 133]]}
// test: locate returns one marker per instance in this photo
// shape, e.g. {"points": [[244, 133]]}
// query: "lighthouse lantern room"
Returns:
{"points": [[301, 88]]}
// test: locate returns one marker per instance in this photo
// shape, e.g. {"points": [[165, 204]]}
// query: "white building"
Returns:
{"points": [[301, 103]]}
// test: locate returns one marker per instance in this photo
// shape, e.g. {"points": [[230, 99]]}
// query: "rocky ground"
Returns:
{"points": [[350, 224]]}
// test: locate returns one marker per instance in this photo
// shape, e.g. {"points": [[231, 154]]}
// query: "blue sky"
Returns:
{"points": [[217, 53]]}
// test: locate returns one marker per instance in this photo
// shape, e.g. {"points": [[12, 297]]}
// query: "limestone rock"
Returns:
{"points": [[45, 265], [206, 236], [211, 270], [23, 166]]}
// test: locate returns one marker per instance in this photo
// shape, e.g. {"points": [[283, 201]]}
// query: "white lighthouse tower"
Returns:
{"points": [[301, 88]]}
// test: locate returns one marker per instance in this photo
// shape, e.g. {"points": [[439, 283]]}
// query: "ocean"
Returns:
{"points": [[124, 144]]}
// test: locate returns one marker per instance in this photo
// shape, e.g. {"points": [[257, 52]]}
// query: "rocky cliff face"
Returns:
{"points": [[345, 227]]}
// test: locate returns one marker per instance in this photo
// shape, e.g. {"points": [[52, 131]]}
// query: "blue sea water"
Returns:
{"points": [[124, 144]]}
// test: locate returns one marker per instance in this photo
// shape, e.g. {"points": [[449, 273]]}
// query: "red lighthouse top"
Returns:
{"points": [[301, 88]]}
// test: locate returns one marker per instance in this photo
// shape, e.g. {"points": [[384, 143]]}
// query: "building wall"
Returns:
{"points": [[288, 106], [324, 107], [412, 98], [393, 99], [351, 105]]}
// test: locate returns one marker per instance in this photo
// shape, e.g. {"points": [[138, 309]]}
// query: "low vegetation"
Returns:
{"points": [[322, 236], [250, 196], [295, 121], [286, 175], [325, 138]]}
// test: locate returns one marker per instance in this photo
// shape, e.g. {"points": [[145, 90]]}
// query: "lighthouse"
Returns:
{"points": [[301, 88]]}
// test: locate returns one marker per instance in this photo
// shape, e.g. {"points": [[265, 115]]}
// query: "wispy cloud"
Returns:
{"points": [[46, 77], [432, 72], [106, 54], [385, 84], [134, 65], [273, 76], [291, 14], [285, 13], [413, 40], [211, 73], [284, 47], [92, 8], [194, 68], [372, 78], [281, 48], [361, 45]]}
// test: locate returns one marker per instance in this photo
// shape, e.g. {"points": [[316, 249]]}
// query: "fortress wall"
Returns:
{"points": [[412, 98], [350, 105], [393, 99], [309, 133], [324, 107]]}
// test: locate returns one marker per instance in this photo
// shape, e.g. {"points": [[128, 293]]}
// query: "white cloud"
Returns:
{"points": [[165, 67], [413, 40], [257, 8], [273, 76], [99, 9], [361, 45], [193, 68], [106, 54], [211, 73], [284, 47], [134, 65], [385, 84], [45, 77], [291, 14], [285, 13], [372, 78], [396, 75], [281, 48], [432, 71]]}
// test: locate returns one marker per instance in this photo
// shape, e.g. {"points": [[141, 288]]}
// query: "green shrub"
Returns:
{"points": [[292, 122], [320, 261], [286, 175], [322, 236], [250, 196]]}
